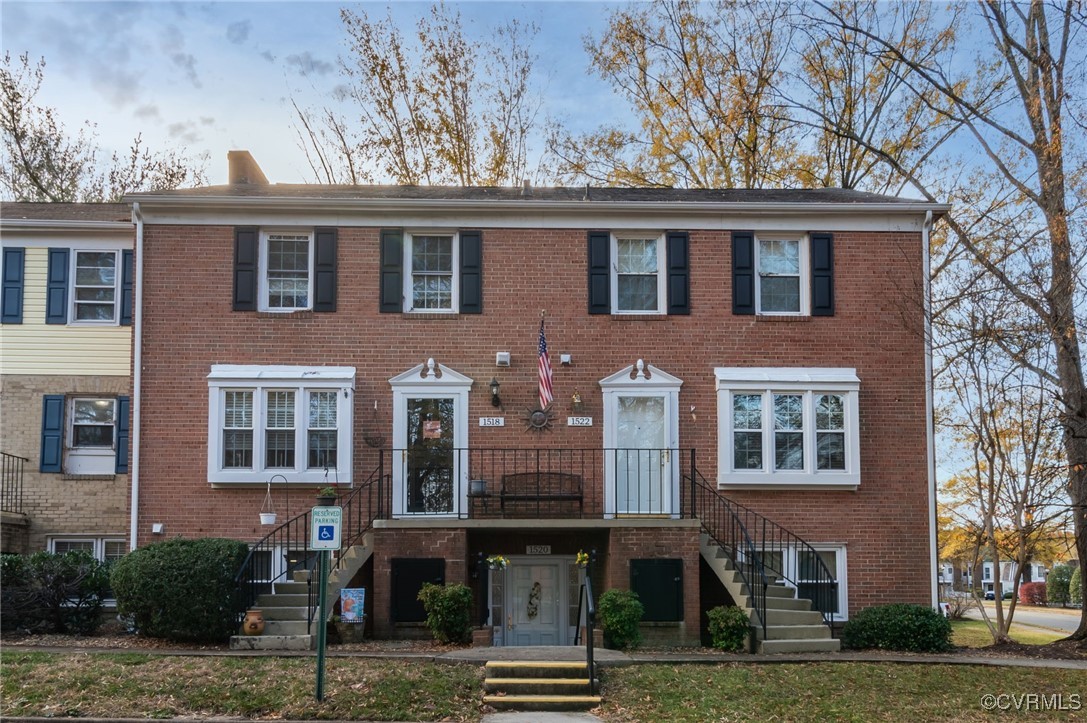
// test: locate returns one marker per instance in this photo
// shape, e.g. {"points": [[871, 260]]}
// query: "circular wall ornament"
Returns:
{"points": [[537, 420]]}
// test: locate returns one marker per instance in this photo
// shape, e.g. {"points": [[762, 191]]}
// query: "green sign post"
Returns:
{"points": [[325, 527]]}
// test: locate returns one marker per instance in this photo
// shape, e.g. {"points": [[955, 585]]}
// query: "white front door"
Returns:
{"points": [[642, 470], [535, 603]]}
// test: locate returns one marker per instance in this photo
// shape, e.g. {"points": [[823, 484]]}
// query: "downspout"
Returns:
{"points": [[930, 422], [137, 376]]}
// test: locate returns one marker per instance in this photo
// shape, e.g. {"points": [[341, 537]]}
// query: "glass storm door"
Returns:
{"points": [[430, 470], [534, 609], [643, 479]]}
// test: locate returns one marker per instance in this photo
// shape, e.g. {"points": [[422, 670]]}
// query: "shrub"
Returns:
{"points": [[899, 626], [1032, 593], [1075, 587], [448, 611], [181, 590], [1056, 584], [46, 592], [619, 612], [957, 605], [729, 627]]}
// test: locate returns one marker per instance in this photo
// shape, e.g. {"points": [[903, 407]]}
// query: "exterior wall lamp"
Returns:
{"points": [[496, 401]]}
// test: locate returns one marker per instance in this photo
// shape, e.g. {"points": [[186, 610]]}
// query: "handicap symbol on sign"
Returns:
{"points": [[325, 532]]}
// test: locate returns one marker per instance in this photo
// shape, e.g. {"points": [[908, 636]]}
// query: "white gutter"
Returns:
{"points": [[137, 376], [930, 422]]}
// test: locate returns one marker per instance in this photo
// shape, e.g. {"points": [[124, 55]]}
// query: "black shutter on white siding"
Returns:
{"points": [[392, 271], [471, 272], [56, 287], [124, 406], [127, 277], [246, 254], [743, 272], [52, 447], [822, 274], [599, 272], [13, 274], [324, 270], [678, 257]]}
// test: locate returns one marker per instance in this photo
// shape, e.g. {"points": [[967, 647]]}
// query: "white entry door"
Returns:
{"points": [[643, 477], [534, 607]]}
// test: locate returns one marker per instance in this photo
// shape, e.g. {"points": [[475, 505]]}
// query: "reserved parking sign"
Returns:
{"points": [[325, 525]]}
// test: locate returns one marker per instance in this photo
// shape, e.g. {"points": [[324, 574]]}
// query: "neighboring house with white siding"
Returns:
{"points": [[65, 358]]}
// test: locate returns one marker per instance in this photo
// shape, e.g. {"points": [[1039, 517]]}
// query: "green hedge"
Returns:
{"points": [[899, 626], [619, 612], [448, 611], [729, 627], [51, 593], [1075, 587], [1056, 584], [181, 590]]}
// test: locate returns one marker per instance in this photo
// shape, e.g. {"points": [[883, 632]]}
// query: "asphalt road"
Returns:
{"points": [[1054, 619]]}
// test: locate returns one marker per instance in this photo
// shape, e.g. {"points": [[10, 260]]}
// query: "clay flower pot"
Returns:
{"points": [[253, 624]]}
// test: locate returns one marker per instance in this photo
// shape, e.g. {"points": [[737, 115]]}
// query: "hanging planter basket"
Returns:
{"points": [[267, 511]]}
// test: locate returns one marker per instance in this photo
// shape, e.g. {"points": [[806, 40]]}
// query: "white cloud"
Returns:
{"points": [[238, 32]]}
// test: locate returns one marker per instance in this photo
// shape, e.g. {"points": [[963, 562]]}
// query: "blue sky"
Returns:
{"points": [[217, 76]]}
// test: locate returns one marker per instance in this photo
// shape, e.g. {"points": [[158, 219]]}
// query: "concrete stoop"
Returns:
{"points": [[792, 625], [285, 608], [529, 685]]}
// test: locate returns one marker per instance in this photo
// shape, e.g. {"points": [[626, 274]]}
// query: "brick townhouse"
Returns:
{"points": [[65, 376], [738, 390]]}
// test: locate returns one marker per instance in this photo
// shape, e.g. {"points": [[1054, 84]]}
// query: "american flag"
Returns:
{"points": [[546, 395]]}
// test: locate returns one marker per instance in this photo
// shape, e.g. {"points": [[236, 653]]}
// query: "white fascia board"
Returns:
{"points": [[34, 224], [72, 238], [236, 372], [786, 375]]}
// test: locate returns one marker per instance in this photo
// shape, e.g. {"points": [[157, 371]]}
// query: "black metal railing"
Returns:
{"points": [[11, 482], [763, 551], [586, 603]]}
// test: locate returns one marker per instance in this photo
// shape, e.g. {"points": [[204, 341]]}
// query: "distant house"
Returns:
{"points": [[65, 387]]}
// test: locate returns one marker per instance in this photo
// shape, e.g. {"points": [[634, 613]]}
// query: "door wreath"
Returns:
{"points": [[534, 601]]}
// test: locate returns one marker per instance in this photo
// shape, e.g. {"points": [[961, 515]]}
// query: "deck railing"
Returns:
{"points": [[11, 482]]}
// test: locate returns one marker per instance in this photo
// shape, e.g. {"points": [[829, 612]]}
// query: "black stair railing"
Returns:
{"points": [[760, 549], [11, 482], [586, 604]]}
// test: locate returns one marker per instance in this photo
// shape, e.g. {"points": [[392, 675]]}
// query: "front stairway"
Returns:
{"points": [[286, 608], [533, 685], [792, 626]]}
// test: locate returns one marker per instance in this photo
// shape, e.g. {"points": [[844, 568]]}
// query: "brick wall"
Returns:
{"points": [[389, 544], [53, 503], [189, 325]]}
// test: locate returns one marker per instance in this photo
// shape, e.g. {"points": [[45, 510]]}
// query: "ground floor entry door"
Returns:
{"points": [[534, 605]]}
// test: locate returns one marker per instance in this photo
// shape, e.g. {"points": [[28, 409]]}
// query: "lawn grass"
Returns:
{"points": [[975, 634], [151, 686]]}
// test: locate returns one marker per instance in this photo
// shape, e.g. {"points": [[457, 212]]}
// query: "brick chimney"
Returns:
{"points": [[243, 169]]}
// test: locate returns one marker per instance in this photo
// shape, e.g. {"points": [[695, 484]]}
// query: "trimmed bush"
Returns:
{"points": [[448, 611], [619, 612], [900, 626], [181, 590], [1056, 584], [52, 593], [729, 626], [1032, 593], [1075, 587]]}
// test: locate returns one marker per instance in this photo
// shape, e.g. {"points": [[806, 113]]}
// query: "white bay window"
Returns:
{"points": [[265, 420]]}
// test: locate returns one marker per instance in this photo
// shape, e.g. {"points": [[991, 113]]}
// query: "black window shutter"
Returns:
{"points": [[324, 269], [52, 451], [127, 275], [822, 274], [743, 272], [392, 271], [599, 272], [471, 272], [12, 303], [246, 254], [56, 287], [679, 273], [124, 405]]}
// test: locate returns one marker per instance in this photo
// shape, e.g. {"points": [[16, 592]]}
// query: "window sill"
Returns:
{"points": [[847, 483], [783, 319], [434, 315], [309, 479], [638, 317], [266, 314], [88, 477]]}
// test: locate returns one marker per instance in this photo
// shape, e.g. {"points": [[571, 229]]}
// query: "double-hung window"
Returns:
{"points": [[638, 286], [294, 421], [788, 427], [94, 287], [431, 261], [287, 270], [782, 275]]}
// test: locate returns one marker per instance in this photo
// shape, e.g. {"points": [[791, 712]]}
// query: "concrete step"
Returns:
{"points": [[787, 603], [537, 669], [282, 600], [826, 645], [292, 588], [286, 627], [542, 702], [794, 632], [789, 617], [537, 686], [273, 642], [285, 613]]}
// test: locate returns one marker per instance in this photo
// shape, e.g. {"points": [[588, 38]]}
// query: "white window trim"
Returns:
{"points": [[99, 543], [422, 382], [806, 381], [805, 273], [839, 549], [260, 380], [662, 286], [454, 297], [88, 460], [262, 271], [117, 295]]}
